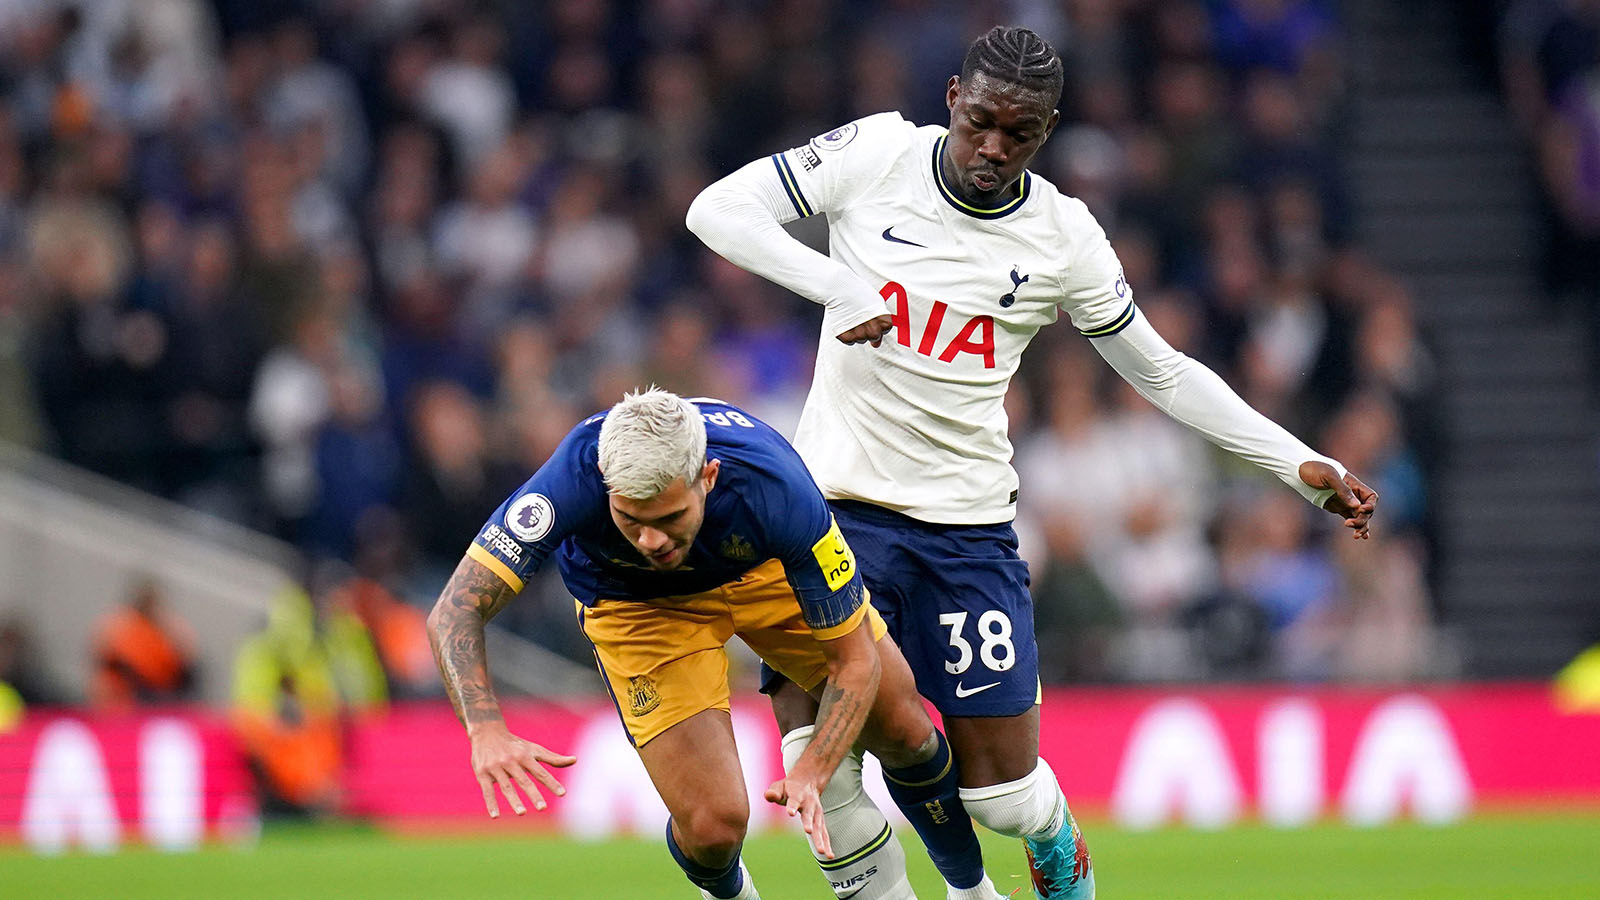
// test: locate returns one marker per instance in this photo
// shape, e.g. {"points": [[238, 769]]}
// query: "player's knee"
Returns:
{"points": [[713, 832], [792, 707], [904, 737], [1020, 808]]}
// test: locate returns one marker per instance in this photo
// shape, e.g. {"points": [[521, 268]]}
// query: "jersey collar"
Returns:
{"points": [[1024, 187]]}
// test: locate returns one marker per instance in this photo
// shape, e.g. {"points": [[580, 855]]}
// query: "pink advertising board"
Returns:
{"points": [[1206, 757]]}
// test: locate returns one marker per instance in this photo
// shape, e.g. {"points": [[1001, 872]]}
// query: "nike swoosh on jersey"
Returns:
{"points": [[962, 693], [889, 237]]}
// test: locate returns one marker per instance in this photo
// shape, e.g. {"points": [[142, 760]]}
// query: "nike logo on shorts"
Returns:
{"points": [[889, 237], [962, 693]]}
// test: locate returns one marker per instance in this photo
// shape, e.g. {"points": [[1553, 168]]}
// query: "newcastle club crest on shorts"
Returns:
{"points": [[642, 695]]}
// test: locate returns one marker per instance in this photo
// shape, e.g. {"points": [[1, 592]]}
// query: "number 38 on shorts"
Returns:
{"points": [[995, 649]]}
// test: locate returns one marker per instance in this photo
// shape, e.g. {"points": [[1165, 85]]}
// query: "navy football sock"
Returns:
{"points": [[724, 882], [928, 793]]}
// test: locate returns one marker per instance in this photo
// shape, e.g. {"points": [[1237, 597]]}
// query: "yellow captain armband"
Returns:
{"points": [[492, 563], [834, 557]]}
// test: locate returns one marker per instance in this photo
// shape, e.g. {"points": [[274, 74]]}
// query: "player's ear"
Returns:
{"points": [[1052, 122], [708, 475], [952, 91]]}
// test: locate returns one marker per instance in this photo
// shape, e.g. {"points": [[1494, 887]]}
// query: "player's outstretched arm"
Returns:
{"points": [[853, 673], [1197, 397], [473, 596]]}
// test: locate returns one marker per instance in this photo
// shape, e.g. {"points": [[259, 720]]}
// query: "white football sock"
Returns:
{"points": [[857, 828], [1030, 807]]}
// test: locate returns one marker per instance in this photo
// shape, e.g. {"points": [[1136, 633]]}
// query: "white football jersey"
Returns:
{"points": [[918, 425]]}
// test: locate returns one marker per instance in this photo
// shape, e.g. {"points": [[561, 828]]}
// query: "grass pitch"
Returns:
{"points": [[1525, 856]]}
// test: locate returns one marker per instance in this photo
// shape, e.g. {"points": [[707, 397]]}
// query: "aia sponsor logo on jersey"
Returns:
{"points": [[976, 336]]}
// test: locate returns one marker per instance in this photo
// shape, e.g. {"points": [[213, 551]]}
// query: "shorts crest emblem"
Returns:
{"points": [[642, 695]]}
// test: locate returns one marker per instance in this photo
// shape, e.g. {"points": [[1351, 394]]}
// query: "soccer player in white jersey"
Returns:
{"points": [[947, 255]]}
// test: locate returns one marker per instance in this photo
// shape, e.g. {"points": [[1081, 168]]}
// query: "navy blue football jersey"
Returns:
{"points": [[763, 506]]}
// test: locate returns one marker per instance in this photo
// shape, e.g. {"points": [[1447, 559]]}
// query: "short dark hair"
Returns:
{"points": [[1019, 56]]}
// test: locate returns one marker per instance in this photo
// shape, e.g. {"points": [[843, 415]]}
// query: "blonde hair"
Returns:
{"points": [[649, 440]]}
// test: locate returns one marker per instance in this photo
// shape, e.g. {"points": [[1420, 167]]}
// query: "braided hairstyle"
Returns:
{"points": [[1017, 56]]}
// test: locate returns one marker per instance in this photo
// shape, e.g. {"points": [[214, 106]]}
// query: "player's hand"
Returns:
{"points": [[802, 798], [869, 332], [501, 758], [1352, 500]]}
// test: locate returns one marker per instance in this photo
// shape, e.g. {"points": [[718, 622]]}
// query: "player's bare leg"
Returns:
{"points": [[695, 768], [1009, 789]]}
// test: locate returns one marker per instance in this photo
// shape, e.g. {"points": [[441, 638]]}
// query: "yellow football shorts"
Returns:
{"points": [[664, 661]]}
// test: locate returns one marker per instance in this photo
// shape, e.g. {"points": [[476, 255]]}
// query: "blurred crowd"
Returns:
{"points": [[1550, 77], [346, 271]]}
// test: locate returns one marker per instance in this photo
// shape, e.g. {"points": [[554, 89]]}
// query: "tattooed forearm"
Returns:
{"points": [[846, 700], [455, 630]]}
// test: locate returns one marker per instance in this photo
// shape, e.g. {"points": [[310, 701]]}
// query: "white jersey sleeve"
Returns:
{"points": [[740, 216], [1094, 293], [826, 173], [1199, 398]]}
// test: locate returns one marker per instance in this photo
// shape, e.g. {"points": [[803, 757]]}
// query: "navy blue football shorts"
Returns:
{"points": [[955, 598]]}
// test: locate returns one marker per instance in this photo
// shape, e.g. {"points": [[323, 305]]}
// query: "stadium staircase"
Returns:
{"points": [[1445, 196]]}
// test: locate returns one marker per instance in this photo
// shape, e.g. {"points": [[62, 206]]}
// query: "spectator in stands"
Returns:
{"points": [[391, 633], [1270, 561], [11, 707], [1280, 34], [1550, 69], [357, 461], [216, 346], [359, 678], [1577, 685], [20, 680], [290, 400], [143, 653], [1383, 612], [286, 710], [1570, 163], [1072, 602], [451, 478], [469, 93], [21, 420]]}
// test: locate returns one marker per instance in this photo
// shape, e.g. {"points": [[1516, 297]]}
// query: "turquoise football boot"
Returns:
{"points": [[1060, 866]]}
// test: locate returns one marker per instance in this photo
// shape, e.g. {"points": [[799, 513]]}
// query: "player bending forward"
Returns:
{"points": [[678, 525], [972, 255]]}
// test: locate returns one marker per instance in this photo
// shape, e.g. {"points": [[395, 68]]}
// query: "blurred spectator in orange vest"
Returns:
{"points": [[17, 681], [371, 591], [398, 633], [286, 710], [143, 653]]}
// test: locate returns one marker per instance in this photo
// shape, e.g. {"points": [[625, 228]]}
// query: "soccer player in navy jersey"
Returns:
{"points": [[676, 525]]}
